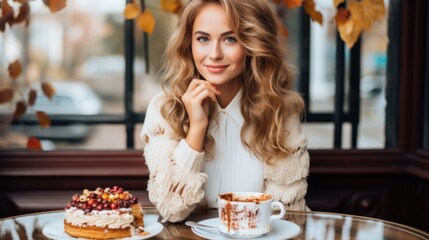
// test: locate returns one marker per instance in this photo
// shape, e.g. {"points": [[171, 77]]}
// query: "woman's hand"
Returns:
{"points": [[196, 100]]}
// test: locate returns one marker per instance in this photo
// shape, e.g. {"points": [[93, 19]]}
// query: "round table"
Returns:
{"points": [[314, 225]]}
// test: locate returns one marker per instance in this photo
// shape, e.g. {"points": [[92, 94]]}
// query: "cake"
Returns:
{"points": [[104, 213]]}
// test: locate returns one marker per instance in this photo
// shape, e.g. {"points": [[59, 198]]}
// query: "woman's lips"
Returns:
{"points": [[216, 68]]}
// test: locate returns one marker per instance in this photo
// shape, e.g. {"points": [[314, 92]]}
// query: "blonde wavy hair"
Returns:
{"points": [[267, 99]]}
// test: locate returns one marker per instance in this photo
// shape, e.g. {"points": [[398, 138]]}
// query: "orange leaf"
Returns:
{"points": [[20, 109], [55, 5], [48, 90], [24, 13], [283, 30], [32, 95], [309, 7], [146, 21], [21, 1], [33, 144], [6, 9], [15, 69], [7, 15], [292, 3], [6, 95], [131, 11], [342, 15], [172, 6], [337, 2], [44, 120]]}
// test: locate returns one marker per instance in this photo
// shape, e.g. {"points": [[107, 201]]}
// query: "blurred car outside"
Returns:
{"points": [[70, 98]]}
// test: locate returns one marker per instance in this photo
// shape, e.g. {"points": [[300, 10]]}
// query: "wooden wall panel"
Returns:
{"points": [[383, 184]]}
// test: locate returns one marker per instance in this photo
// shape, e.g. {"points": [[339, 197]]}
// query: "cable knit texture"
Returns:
{"points": [[176, 180]]}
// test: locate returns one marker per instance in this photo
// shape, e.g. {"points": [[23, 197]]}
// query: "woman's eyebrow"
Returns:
{"points": [[207, 34]]}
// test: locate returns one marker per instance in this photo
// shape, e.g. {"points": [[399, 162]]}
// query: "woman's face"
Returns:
{"points": [[218, 56]]}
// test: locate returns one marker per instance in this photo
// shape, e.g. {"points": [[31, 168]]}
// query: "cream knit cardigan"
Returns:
{"points": [[176, 186]]}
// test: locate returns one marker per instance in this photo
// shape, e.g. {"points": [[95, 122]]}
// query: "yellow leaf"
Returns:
{"points": [[337, 2], [33, 144], [20, 109], [309, 7], [131, 11], [43, 118], [55, 5], [292, 3], [350, 31], [374, 10], [146, 21], [172, 6], [48, 90], [32, 95], [6, 95], [366, 11], [15, 69]]}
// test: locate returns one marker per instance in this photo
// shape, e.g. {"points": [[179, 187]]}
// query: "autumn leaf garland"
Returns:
{"points": [[144, 17], [9, 17], [7, 94], [351, 20]]}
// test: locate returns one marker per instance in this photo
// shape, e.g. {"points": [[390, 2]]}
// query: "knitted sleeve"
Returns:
{"points": [[175, 178], [286, 179]]}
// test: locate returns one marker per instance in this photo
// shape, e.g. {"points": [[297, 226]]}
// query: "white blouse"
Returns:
{"points": [[180, 177], [233, 167]]}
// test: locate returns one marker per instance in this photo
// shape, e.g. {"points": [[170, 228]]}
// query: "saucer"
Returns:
{"points": [[281, 230]]}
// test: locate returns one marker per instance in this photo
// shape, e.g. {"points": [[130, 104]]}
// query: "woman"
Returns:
{"points": [[228, 120]]}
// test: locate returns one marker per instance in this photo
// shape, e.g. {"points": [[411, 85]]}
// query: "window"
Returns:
{"points": [[84, 48], [81, 51]]}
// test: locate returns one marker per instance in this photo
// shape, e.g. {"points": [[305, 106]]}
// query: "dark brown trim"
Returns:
{"points": [[419, 165], [73, 163], [131, 163], [412, 73]]}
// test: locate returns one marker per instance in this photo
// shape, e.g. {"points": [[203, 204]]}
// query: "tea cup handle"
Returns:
{"points": [[282, 210]]}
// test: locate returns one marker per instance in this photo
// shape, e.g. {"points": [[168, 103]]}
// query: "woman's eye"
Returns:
{"points": [[230, 39], [202, 39]]}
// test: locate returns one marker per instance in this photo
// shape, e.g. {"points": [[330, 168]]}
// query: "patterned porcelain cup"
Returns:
{"points": [[247, 214]]}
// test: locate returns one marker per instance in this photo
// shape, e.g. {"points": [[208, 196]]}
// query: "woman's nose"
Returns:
{"points": [[216, 52]]}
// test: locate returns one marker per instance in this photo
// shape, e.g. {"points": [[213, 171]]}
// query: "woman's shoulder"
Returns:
{"points": [[156, 100], [153, 114], [155, 124]]}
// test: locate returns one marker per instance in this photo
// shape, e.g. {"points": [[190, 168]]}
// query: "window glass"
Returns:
{"points": [[372, 83], [80, 50], [146, 82]]}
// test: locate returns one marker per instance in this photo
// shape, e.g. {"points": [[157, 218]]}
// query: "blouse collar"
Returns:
{"points": [[233, 109]]}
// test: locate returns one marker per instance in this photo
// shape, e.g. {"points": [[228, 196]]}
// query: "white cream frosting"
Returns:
{"points": [[120, 218]]}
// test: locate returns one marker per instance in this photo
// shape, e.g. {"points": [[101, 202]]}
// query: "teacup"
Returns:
{"points": [[247, 214]]}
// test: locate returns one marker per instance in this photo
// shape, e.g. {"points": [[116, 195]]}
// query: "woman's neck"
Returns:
{"points": [[228, 92]]}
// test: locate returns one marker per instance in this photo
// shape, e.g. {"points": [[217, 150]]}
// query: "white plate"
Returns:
{"points": [[281, 230], [55, 230]]}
